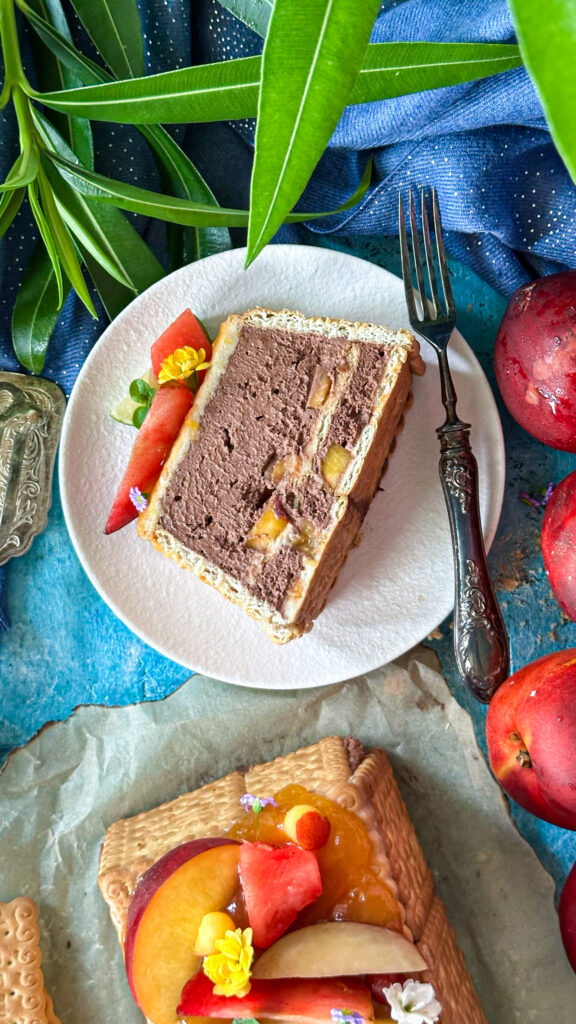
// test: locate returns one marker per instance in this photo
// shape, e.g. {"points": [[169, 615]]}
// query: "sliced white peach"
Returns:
{"points": [[334, 948]]}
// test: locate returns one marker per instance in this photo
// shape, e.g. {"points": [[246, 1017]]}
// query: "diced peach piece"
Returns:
{"points": [[213, 926], [266, 530], [334, 464], [320, 389]]}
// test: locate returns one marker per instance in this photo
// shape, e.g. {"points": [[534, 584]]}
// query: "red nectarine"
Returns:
{"points": [[559, 543], [531, 737], [164, 916], [567, 912], [535, 359]]}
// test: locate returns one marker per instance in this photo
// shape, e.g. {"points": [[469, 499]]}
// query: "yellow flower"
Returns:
{"points": [[182, 363], [229, 968]]}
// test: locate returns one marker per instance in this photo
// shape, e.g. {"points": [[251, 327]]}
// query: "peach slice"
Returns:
{"points": [[335, 948], [164, 917]]}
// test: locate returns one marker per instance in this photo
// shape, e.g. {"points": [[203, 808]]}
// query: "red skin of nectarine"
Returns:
{"points": [[567, 913], [151, 882], [559, 544], [531, 737], [535, 359]]}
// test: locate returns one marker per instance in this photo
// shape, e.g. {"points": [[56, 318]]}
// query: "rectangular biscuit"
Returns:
{"points": [[132, 844], [23, 997]]}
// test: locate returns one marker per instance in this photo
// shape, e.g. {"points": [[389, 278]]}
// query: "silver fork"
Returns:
{"points": [[480, 638]]}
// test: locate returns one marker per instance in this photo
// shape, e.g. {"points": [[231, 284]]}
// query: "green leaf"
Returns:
{"points": [[114, 28], [229, 90], [10, 203], [396, 69], [139, 390], [311, 59], [139, 415], [36, 311], [47, 238], [547, 37], [254, 13], [209, 92], [24, 170], [63, 242], [172, 209]]}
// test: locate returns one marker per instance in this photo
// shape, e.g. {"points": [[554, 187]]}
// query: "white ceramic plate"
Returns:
{"points": [[395, 587]]}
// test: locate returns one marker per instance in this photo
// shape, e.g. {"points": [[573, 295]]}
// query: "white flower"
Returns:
{"points": [[413, 1003]]}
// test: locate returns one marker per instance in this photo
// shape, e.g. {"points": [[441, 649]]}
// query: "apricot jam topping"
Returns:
{"points": [[351, 889]]}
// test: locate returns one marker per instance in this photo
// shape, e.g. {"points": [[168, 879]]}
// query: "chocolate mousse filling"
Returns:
{"points": [[256, 449]]}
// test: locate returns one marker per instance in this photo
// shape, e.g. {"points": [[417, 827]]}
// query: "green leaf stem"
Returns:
{"points": [[310, 61], [547, 38], [36, 311]]}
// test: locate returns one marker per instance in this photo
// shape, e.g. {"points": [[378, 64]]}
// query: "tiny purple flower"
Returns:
{"points": [[139, 500], [256, 803], [529, 499], [347, 1017]]}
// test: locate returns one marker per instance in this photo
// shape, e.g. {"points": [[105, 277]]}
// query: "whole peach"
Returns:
{"points": [[567, 913], [531, 737], [559, 543], [535, 359]]}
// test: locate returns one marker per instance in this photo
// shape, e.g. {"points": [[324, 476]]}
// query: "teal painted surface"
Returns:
{"points": [[67, 648]]}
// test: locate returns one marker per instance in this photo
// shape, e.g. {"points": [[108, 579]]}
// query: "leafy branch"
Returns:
{"points": [[316, 60]]}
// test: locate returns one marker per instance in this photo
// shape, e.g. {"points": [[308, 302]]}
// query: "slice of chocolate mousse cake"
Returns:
{"points": [[272, 474]]}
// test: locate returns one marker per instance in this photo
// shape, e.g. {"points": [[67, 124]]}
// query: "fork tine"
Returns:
{"points": [[417, 255], [435, 294], [405, 260], [442, 263]]}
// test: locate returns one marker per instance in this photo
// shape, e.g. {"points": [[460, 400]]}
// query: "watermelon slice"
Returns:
{"points": [[186, 330], [277, 882], [292, 999], [151, 449]]}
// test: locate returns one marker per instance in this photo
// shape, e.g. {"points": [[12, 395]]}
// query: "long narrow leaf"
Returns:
{"points": [[255, 14], [310, 61], [396, 69], [547, 39], [10, 203], [35, 311], [169, 208], [229, 90], [46, 236], [64, 243], [210, 92], [23, 171], [114, 28]]}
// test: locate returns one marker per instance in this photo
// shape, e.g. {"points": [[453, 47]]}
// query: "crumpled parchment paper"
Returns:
{"points": [[60, 792]]}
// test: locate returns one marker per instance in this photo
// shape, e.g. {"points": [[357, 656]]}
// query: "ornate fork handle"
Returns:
{"points": [[480, 638]]}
